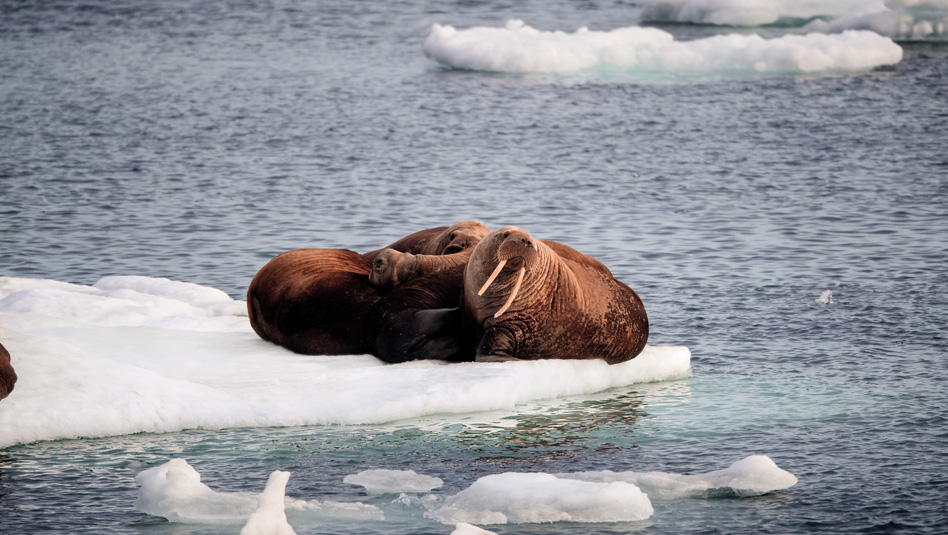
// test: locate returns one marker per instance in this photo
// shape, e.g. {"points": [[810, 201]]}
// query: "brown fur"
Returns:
{"points": [[7, 375], [314, 301], [421, 319], [567, 306], [320, 302], [438, 240]]}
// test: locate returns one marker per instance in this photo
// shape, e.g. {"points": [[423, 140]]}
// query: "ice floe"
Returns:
{"points": [[139, 354], [518, 48]]}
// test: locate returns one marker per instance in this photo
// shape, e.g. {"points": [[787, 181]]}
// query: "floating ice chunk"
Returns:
{"points": [[748, 12], [393, 481], [519, 497], [116, 359], [174, 491], [902, 24], [751, 476], [517, 48], [826, 298], [467, 529], [270, 516]]}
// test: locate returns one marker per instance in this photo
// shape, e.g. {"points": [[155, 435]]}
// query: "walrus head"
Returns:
{"points": [[513, 249], [459, 237]]}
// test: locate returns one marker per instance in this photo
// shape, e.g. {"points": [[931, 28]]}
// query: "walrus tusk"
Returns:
{"points": [[493, 276], [513, 294]]}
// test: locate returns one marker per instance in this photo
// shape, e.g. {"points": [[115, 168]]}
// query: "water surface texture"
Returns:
{"points": [[194, 141]]}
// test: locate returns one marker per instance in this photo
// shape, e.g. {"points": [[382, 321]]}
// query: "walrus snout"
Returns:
{"points": [[459, 241]]}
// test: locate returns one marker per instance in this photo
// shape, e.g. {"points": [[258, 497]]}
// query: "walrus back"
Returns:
{"points": [[313, 301]]}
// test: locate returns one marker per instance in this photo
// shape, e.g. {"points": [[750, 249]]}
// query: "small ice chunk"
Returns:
{"points": [[537, 497], [270, 516], [826, 298], [752, 476], [394, 481], [467, 529], [174, 491]]}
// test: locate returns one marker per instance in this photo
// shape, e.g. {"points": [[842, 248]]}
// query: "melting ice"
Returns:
{"points": [[898, 19], [174, 491], [134, 354], [518, 48], [393, 481]]}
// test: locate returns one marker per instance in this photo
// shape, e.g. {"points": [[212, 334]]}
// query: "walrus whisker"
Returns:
{"points": [[493, 276], [513, 294]]}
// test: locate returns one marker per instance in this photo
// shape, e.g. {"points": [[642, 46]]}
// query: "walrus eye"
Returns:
{"points": [[452, 236]]}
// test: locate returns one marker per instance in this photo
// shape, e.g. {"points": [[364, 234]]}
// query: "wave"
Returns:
{"points": [[898, 19], [141, 354], [517, 48]]}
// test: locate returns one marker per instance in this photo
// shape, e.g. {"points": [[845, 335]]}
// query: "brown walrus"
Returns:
{"points": [[421, 319], [7, 375], [523, 300], [320, 302]]}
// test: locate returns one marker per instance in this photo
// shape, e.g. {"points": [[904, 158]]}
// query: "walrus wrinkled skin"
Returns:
{"points": [[524, 300], [320, 301], [7, 375]]}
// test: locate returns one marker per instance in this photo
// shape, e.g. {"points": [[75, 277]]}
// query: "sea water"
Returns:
{"points": [[782, 215]]}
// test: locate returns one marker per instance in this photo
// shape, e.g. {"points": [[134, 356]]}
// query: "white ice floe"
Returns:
{"points": [[134, 354], [750, 12], [898, 19], [174, 491], [270, 516], [751, 476], [907, 24], [602, 496], [536, 497], [468, 529], [382, 481], [517, 48]]}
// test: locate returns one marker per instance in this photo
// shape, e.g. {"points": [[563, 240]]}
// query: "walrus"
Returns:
{"points": [[320, 301], [7, 375], [391, 268], [421, 319], [524, 301]]}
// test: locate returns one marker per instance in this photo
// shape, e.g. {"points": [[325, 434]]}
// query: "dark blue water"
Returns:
{"points": [[196, 140]]}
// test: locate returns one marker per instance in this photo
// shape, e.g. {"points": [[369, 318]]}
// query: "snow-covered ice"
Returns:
{"points": [[519, 48], [140, 354]]}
